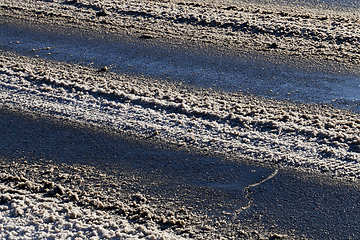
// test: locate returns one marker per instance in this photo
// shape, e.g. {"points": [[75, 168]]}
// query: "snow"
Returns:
{"points": [[308, 136], [28, 215], [311, 137]]}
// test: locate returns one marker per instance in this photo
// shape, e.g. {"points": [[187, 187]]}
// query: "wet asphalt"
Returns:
{"points": [[293, 203]]}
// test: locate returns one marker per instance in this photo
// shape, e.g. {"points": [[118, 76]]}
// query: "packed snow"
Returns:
{"points": [[311, 137]]}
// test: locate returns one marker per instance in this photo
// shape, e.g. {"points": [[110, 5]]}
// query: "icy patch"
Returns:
{"points": [[349, 89]]}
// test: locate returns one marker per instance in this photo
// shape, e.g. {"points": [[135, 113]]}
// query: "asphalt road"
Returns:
{"points": [[289, 202], [265, 199]]}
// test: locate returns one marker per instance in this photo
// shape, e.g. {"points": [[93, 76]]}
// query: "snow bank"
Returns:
{"points": [[41, 208]]}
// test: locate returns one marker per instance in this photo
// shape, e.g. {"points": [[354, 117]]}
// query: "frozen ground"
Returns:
{"points": [[278, 78]]}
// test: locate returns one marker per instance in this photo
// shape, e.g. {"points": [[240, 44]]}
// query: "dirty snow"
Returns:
{"points": [[311, 137]]}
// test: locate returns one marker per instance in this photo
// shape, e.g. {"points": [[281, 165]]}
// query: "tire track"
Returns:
{"points": [[331, 35], [311, 137]]}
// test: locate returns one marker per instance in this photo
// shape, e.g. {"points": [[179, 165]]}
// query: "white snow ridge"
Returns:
{"points": [[310, 137]]}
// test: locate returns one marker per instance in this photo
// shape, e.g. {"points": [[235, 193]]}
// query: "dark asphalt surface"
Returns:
{"points": [[301, 204]]}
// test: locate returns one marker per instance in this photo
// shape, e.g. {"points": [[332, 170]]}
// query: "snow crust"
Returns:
{"points": [[27, 215], [33, 208]]}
